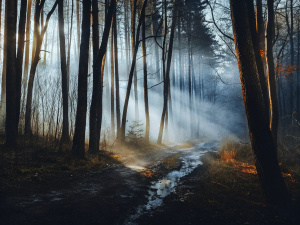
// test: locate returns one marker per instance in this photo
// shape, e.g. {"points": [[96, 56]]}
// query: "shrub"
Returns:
{"points": [[136, 132]]}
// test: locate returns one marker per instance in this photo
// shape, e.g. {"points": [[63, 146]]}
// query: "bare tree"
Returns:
{"points": [[64, 74], [11, 128], [78, 149], [36, 48], [131, 73]]}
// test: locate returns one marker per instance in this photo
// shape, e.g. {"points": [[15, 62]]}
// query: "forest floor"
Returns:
{"points": [[110, 188]]}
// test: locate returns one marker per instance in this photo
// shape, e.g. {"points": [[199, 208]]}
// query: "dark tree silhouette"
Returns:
{"points": [[78, 149], [260, 135]]}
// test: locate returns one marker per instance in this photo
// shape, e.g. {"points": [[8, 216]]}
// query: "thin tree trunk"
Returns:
{"points": [[274, 114], [112, 87], [78, 23], [127, 42], [0, 26], [167, 69], [131, 73], [20, 56], [3, 83], [11, 130], [133, 16], [298, 71], [93, 146], [290, 80], [78, 149], [117, 74], [147, 130], [98, 69], [35, 61], [64, 75], [70, 44]]}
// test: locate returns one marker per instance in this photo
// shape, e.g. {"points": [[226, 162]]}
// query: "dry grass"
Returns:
{"points": [[235, 161], [41, 161], [171, 162]]}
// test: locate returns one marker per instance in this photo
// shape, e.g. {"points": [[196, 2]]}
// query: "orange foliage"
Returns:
{"points": [[148, 173], [287, 70], [288, 175], [228, 156], [245, 167], [262, 53]]}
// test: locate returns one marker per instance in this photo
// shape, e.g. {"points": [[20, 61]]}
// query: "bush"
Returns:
{"points": [[232, 150], [135, 134]]}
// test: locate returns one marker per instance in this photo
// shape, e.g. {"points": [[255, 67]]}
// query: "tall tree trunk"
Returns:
{"points": [[98, 69], [167, 69], [70, 44], [274, 114], [298, 71], [93, 146], [261, 139], [290, 80], [64, 75], [147, 131], [78, 23], [257, 35], [181, 78], [131, 73], [112, 87], [39, 41], [20, 56], [78, 149], [0, 26], [3, 83], [127, 41], [11, 129], [117, 74], [133, 16]]}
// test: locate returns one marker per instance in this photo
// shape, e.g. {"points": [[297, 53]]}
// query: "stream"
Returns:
{"points": [[161, 188], [116, 195]]}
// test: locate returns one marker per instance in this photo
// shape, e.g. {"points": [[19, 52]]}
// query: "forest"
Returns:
{"points": [[149, 112]]}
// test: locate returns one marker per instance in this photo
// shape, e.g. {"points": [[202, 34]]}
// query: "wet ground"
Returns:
{"points": [[189, 190], [121, 194]]}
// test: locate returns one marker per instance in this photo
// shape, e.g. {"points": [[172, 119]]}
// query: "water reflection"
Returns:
{"points": [[165, 186]]}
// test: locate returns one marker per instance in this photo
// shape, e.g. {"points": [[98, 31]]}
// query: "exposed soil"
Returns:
{"points": [[222, 196], [210, 194]]}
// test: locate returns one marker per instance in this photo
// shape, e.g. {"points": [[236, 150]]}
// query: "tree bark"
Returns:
{"points": [[0, 26], [11, 130], [78, 149], [39, 36], [78, 23], [147, 130], [274, 114], [131, 73], [167, 71], [64, 75], [133, 16], [260, 55], [112, 87], [266, 161], [20, 56], [3, 83], [291, 81], [117, 74], [98, 69]]}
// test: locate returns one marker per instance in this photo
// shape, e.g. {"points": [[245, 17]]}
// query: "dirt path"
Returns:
{"points": [[109, 196]]}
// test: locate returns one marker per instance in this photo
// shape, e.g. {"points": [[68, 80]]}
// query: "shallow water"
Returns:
{"points": [[163, 187]]}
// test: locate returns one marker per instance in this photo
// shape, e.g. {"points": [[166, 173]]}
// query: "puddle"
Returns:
{"points": [[136, 168], [165, 186]]}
